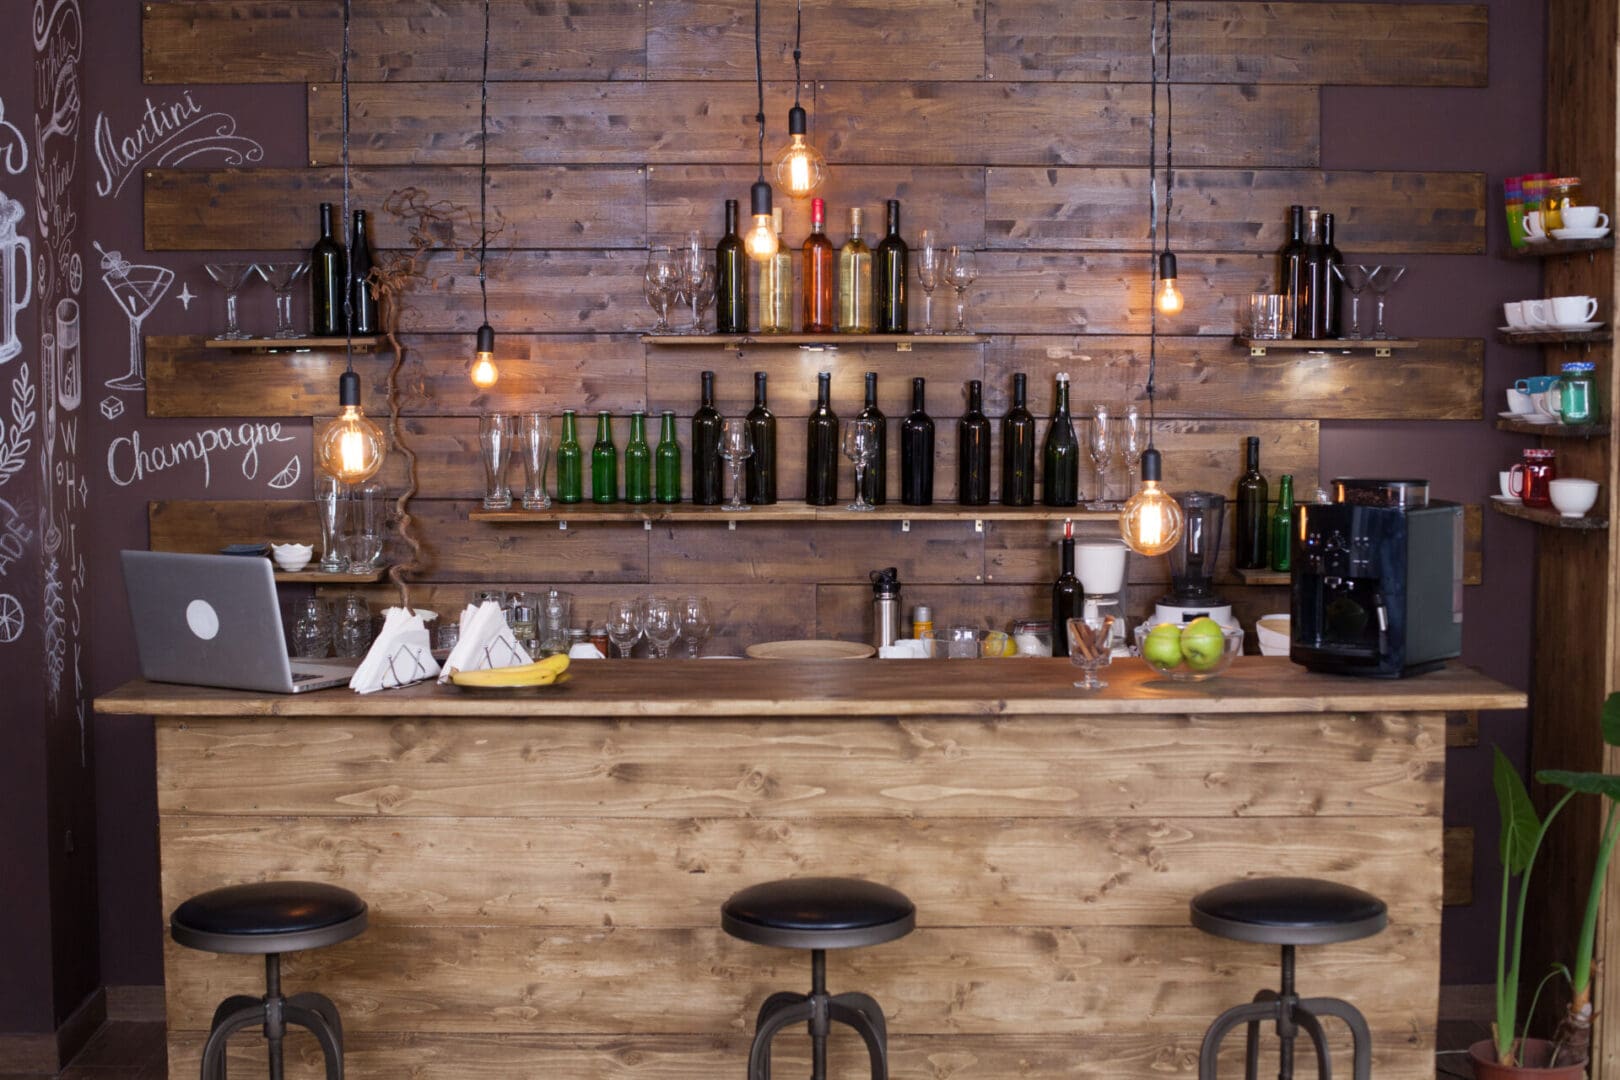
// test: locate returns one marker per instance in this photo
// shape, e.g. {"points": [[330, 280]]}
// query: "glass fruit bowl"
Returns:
{"points": [[1199, 650]]}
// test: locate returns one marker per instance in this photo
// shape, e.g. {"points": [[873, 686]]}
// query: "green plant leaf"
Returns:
{"points": [[1587, 783], [1520, 822], [1611, 719]]}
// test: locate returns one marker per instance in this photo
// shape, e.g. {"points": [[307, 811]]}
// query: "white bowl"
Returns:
{"points": [[1573, 497], [291, 557], [1273, 633]]}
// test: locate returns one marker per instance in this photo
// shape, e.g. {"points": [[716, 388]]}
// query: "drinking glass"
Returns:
{"points": [[928, 266], [1089, 648], [230, 277], [281, 277], [861, 447], [694, 261], [495, 446], [353, 636], [312, 630], [1101, 445], [331, 501], [1382, 279], [660, 281], [554, 608], [1354, 276], [736, 447], [695, 624], [1266, 321], [662, 625], [370, 517], [624, 626], [1133, 442], [535, 446], [961, 270]]}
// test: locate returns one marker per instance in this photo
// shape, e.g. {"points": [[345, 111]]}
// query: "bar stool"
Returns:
{"points": [[818, 914], [271, 918], [1288, 912]]}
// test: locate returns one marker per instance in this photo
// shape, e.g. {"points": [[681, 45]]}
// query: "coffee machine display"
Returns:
{"points": [[1377, 586], [1100, 566], [1192, 563]]}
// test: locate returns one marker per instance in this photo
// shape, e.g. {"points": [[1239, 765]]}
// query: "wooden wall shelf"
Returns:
{"points": [[1343, 346], [590, 513], [1555, 337], [321, 577], [901, 342], [307, 344], [1263, 577], [1592, 522], [1554, 248], [1555, 430]]}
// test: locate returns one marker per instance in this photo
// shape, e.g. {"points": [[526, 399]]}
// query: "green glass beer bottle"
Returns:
{"points": [[570, 462], [638, 462], [667, 461], [604, 462]]}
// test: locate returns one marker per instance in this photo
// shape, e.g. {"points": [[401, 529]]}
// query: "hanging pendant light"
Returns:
{"points": [[800, 167], [484, 372], [760, 240], [1168, 300], [1152, 521], [351, 447]]}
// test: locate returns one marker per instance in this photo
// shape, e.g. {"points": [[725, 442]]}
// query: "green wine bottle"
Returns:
{"points": [[638, 462], [667, 460], [604, 462], [570, 462], [1282, 526]]}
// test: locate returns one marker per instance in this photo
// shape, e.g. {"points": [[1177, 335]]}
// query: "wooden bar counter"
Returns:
{"points": [[545, 872]]}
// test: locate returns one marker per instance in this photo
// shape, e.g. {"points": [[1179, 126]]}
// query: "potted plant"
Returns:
{"points": [[1509, 1052]]}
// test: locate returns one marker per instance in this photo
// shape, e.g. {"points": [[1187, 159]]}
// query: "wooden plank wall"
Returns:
{"points": [[1013, 126]]}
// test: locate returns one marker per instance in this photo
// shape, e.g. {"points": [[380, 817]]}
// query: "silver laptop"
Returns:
{"points": [[214, 620]]}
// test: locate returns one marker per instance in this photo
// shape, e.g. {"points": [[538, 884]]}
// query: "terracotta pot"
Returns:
{"points": [[1533, 1055]]}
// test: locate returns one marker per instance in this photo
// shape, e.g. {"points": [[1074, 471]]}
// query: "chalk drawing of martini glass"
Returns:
{"points": [[137, 290]]}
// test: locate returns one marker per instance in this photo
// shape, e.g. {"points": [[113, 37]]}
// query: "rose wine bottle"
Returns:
{"points": [[816, 262]]}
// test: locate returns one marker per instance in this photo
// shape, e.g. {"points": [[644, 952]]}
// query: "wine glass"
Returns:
{"points": [[659, 283], [1133, 443], [861, 447], [961, 270], [696, 285], [736, 447], [1354, 276], [1089, 649], [1101, 445], [624, 626], [695, 624], [281, 277], [230, 277], [928, 266], [1381, 280], [662, 625]]}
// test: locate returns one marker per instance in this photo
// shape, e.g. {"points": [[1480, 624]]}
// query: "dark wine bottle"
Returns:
{"points": [[1289, 280], [890, 276], [821, 448], [1018, 448], [1312, 272], [604, 462], [1332, 286], [667, 461], [731, 278], [327, 274], [876, 482], [363, 304], [1062, 454], [570, 462], [706, 486], [760, 476], [817, 275], [1068, 599], [638, 483], [1249, 545], [917, 451], [973, 451]]}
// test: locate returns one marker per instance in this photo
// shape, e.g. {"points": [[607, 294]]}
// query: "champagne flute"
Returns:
{"points": [[928, 266], [1354, 276], [861, 447], [961, 270], [1134, 443], [1101, 445], [660, 278], [693, 262], [661, 624], [1381, 280], [695, 624], [736, 447], [624, 626]]}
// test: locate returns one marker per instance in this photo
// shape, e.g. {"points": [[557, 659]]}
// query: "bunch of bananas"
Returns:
{"points": [[540, 673]]}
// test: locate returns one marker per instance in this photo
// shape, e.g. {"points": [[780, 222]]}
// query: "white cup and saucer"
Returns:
{"points": [[1582, 223]]}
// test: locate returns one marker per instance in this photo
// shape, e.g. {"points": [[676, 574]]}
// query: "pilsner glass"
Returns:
{"points": [[331, 502], [495, 446], [535, 447]]}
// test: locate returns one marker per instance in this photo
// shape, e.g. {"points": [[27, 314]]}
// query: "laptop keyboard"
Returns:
{"points": [[306, 676]]}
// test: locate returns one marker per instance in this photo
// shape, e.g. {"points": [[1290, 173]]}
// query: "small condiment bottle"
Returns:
{"points": [[922, 620], [597, 635]]}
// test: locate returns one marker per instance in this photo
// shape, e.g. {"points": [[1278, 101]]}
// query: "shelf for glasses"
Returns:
{"points": [[1556, 430], [648, 514], [321, 577], [1376, 346], [1555, 337], [901, 342], [307, 344], [1560, 247], [1550, 518], [1263, 577]]}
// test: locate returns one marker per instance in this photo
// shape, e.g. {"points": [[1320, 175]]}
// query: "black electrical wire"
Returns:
{"points": [[1153, 218], [348, 286], [1169, 129], [759, 82], [483, 170], [798, 36]]}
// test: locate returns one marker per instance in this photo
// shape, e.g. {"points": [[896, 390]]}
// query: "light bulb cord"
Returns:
{"points": [[348, 284], [1169, 128], [1153, 217], [759, 84], [798, 36], [483, 171]]}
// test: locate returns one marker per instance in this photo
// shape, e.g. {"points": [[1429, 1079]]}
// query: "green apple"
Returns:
{"points": [[1162, 646], [1202, 642]]}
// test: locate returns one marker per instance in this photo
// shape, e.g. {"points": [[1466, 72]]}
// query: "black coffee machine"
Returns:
{"points": [[1377, 580]]}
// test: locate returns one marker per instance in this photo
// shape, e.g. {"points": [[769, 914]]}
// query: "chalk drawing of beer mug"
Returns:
{"points": [[16, 276]]}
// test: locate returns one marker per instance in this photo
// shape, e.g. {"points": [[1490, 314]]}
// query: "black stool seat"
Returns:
{"points": [[818, 913], [1288, 911], [268, 917]]}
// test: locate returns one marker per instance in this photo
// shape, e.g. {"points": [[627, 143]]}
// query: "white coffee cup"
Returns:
{"points": [[1572, 496], [1514, 313], [1532, 226], [1519, 402], [1504, 481], [1585, 217], [1536, 313], [1567, 310]]}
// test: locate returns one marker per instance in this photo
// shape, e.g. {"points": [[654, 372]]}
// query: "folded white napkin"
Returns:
{"points": [[486, 642], [400, 654]]}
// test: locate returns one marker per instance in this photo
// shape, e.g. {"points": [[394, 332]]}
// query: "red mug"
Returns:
{"points": [[1529, 479]]}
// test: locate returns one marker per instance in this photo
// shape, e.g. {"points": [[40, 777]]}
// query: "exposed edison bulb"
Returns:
{"points": [[1151, 522], [351, 447], [760, 240], [800, 168], [484, 373], [1169, 299]]}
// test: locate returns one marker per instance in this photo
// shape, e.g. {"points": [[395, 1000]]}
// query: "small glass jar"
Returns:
{"points": [[1577, 394], [521, 618], [597, 635], [1557, 193], [574, 635], [1032, 637]]}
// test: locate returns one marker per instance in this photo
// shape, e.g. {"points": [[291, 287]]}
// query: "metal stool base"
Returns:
{"points": [[273, 1012], [1291, 1014], [820, 1011]]}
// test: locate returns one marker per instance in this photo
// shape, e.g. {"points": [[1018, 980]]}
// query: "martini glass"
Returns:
{"points": [[1381, 280], [230, 277], [282, 276], [1354, 276], [137, 290]]}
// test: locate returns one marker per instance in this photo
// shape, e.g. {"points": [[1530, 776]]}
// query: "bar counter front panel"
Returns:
{"points": [[545, 873]]}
